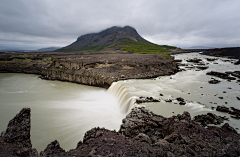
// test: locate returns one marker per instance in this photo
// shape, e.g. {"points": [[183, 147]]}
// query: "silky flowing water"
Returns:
{"points": [[60, 111], [65, 111]]}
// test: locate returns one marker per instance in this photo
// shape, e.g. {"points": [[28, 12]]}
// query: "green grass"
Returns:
{"points": [[44, 60], [88, 48], [17, 60], [93, 48], [144, 48], [24, 55], [67, 50], [168, 47]]}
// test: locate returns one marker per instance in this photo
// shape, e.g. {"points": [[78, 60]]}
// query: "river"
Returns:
{"points": [[65, 111], [60, 111]]}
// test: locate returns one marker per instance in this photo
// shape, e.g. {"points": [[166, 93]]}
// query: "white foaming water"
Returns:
{"points": [[59, 110], [124, 96]]}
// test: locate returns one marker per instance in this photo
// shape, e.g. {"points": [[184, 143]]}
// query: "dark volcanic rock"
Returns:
{"points": [[214, 81], [231, 51], [209, 118], [223, 109], [179, 134], [144, 133], [16, 139], [234, 73], [145, 100], [221, 75], [52, 148], [182, 103], [140, 120], [195, 60], [177, 60], [232, 110], [202, 67], [180, 99], [237, 63], [211, 59], [168, 100]]}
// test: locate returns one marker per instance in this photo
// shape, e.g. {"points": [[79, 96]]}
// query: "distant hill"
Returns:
{"points": [[199, 47], [116, 38], [228, 52], [47, 49]]}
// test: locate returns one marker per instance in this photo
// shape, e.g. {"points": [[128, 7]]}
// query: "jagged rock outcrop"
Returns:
{"points": [[214, 81], [142, 133], [146, 100], [194, 60], [209, 118], [52, 148], [237, 62], [235, 113], [15, 141], [221, 75]]}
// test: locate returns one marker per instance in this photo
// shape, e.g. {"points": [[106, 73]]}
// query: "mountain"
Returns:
{"points": [[105, 38], [117, 38], [47, 49]]}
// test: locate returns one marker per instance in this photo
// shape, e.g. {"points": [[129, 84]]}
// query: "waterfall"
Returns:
{"points": [[125, 98]]}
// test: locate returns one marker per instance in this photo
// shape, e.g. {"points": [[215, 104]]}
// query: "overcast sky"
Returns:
{"points": [[182, 23]]}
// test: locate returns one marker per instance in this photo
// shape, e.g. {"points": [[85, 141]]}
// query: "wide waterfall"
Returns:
{"points": [[126, 99]]}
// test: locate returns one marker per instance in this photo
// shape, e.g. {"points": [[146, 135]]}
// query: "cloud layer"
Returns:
{"points": [[185, 23]]}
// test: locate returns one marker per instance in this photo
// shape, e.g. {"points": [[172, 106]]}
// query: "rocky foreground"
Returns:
{"points": [[142, 133]]}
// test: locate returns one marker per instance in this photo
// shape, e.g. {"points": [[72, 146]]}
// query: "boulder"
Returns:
{"points": [[51, 149], [209, 118], [16, 139], [214, 81], [180, 99], [221, 75], [146, 100]]}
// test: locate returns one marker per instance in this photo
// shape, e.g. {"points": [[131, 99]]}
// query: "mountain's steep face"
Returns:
{"points": [[108, 37]]}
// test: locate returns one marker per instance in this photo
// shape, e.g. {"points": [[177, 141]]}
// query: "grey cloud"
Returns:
{"points": [[179, 23]]}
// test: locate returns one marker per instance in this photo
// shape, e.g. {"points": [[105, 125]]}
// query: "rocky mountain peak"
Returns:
{"points": [[105, 38]]}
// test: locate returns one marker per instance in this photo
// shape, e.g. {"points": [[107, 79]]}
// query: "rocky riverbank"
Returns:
{"points": [[232, 52], [89, 68], [142, 133]]}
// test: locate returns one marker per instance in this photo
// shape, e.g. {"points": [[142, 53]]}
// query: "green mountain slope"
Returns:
{"points": [[117, 38], [144, 47]]}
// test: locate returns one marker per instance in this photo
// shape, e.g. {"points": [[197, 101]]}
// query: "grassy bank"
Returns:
{"points": [[144, 48]]}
